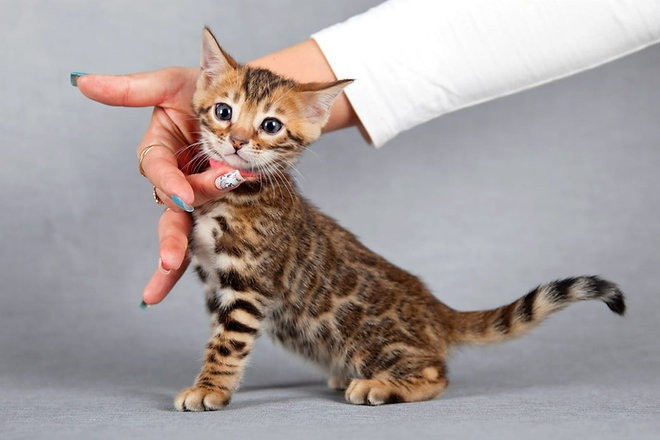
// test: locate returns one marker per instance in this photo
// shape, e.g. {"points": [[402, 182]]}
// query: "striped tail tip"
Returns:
{"points": [[616, 301], [617, 304], [594, 287]]}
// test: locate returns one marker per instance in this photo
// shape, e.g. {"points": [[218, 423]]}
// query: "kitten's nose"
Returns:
{"points": [[238, 141]]}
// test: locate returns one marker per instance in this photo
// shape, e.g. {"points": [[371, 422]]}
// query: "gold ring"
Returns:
{"points": [[143, 154], [157, 199]]}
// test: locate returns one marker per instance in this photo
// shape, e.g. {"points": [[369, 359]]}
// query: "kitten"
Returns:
{"points": [[270, 261]]}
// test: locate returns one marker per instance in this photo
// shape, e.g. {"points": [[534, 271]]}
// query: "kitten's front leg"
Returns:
{"points": [[237, 325]]}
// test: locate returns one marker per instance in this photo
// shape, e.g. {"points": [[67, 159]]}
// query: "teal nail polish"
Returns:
{"points": [[181, 204], [75, 76], [144, 305]]}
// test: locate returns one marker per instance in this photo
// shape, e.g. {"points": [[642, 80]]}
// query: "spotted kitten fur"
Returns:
{"points": [[270, 261]]}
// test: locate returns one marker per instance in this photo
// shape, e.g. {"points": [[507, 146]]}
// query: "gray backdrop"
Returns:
{"points": [[483, 204]]}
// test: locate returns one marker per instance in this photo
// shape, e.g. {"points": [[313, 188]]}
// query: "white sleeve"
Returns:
{"points": [[414, 60]]}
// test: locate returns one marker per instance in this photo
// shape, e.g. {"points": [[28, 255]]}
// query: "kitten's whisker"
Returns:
{"points": [[196, 161], [271, 172], [265, 169], [273, 178], [186, 148], [199, 162], [308, 148], [281, 176], [292, 165]]}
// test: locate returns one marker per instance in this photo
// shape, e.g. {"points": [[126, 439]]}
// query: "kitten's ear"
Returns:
{"points": [[215, 62], [318, 98]]}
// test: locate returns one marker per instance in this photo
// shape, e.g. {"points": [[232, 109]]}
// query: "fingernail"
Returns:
{"points": [[229, 180], [181, 204], [161, 268], [144, 305], [75, 76]]}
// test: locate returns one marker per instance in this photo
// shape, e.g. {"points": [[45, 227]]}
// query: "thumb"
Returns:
{"points": [[138, 89], [214, 182]]}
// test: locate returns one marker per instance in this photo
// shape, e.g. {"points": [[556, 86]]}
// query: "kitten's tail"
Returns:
{"points": [[513, 320]]}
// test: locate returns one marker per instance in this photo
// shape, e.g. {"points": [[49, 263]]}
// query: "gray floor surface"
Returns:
{"points": [[542, 387]]}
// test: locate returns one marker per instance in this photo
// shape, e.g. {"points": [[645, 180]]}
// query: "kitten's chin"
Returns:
{"points": [[214, 164]]}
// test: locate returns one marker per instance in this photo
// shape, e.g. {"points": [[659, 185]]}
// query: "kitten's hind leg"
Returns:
{"points": [[337, 382], [390, 387]]}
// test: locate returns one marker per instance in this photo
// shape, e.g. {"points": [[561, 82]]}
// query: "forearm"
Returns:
{"points": [[304, 62], [414, 60]]}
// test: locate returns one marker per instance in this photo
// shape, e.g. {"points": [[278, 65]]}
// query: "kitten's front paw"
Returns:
{"points": [[201, 399]]}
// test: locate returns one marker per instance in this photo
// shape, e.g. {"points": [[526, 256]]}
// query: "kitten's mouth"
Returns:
{"points": [[218, 164]]}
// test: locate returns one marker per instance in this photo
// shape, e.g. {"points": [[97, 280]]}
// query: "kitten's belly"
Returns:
{"points": [[311, 338]]}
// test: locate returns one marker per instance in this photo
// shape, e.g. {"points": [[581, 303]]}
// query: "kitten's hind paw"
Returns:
{"points": [[414, 388], [201, 399], [371, 392]]}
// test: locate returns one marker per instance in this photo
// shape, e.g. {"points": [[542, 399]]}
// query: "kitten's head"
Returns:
{"points": [[253, 119]]}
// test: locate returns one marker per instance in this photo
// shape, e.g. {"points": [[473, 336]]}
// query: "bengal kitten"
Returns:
{"points": [[270, 261]]}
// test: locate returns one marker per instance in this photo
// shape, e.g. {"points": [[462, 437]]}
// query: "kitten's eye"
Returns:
{"points": [[223, 111], [271, 125]]}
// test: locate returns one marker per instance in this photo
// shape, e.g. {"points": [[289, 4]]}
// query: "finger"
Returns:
{"points": [[163, 198], [138, 89], [162, 283], [215, 182], [173, 229], [159, 163]]}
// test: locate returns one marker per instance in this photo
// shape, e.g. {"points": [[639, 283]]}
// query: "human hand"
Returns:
{"points": [[171, 168], [171, 164]]}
